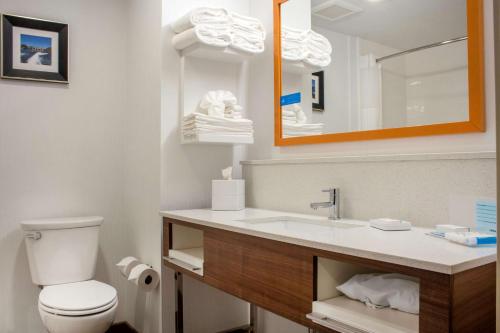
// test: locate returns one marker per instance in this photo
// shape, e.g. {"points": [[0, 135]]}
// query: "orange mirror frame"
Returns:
{"points": [[476, 122]]}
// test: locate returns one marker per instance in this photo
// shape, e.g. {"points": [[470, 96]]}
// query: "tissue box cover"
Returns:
{"points": [[228, 194]]}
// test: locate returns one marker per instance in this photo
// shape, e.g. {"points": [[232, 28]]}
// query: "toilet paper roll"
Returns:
{"points": [[126, 264], [145, 277]]}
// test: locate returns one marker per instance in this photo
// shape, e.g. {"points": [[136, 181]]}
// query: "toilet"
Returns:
{"points": [[62, 255]]}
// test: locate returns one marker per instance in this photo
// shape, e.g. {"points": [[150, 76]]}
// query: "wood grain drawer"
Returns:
{"points": [[273, 275]]}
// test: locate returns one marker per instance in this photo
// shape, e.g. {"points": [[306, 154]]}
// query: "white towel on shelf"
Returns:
{"points": [[318, 42], [220, 103], [293, 113], [397, 291], [248, 32], [201, 118], [249, 25], [202, 15], [218, 36], [317, 59], [293, 44]]}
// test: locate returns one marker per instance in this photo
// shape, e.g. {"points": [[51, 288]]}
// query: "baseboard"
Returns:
{"points": [[122, 327]]}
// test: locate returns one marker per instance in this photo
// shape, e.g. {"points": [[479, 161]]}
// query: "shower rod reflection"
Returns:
{"points": [[449, 41]]}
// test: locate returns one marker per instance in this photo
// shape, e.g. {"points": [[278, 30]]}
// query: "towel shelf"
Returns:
{"points": [[349, 316], [298, 67], [204, 68], [217, 139], [221, 54]]}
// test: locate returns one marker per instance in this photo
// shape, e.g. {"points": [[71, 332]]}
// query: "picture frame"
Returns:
{"points": [[318, 91], [33, 49]]}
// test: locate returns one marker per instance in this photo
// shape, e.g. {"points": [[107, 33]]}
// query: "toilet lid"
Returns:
{"points": [[78, 296]]}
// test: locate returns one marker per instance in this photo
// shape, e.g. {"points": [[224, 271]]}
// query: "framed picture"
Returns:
{"points": [[318, 90], [33, 49]]}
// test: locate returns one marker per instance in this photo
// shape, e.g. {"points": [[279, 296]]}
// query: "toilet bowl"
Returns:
{"points": [[80, 307], [62, 253]]}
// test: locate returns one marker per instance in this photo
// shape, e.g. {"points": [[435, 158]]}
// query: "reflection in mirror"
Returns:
{"points": [[358, 65]]}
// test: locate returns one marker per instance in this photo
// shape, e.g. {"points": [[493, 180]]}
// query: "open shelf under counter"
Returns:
{"points": [[346, 315], [190, 259], [215, 53]]}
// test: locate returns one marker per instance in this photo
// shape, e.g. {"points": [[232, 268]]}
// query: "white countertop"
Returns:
{"points": [[409, 248]]}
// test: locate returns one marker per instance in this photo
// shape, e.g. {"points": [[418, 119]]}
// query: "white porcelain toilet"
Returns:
{"points": [[62, 255]]}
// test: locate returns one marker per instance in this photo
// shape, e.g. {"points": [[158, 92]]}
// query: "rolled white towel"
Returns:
{"points": [[201, 15], [219, 36], [320, 60]]}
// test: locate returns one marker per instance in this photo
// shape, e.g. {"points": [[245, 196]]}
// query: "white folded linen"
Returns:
{"points": [[212, 128], [248, 25], [318, 42], [397, 291], [308, 46], [206, 119], [218, 36], [202, 15], [248, 32], [295, 111], [318, 59], [293, 44]]}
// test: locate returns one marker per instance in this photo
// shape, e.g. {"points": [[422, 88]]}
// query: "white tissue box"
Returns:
{"points": [[228, 194]]}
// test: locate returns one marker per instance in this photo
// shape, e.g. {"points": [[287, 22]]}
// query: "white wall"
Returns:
{"points": [[261, 89], [142, 159], [61, 149]]}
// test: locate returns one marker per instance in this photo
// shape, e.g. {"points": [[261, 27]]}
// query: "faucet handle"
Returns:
{"points": [[330, 190]]}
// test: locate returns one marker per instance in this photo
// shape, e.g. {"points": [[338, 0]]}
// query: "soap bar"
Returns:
{"points": [[228, 194], [390, 224]]}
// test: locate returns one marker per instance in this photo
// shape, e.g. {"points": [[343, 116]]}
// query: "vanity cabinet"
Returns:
{"points": [[286, 278]]}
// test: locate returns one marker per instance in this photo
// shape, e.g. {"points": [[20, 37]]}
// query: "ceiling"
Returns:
{"points": [[401, 24]]}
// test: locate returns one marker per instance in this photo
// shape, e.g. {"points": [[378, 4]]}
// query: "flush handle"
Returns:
{"points": [[36, 235]]}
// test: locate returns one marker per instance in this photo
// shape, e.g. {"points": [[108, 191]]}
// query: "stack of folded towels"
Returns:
{"points": [[220, 28], [219, 114], [306, 46], [294, 122]]}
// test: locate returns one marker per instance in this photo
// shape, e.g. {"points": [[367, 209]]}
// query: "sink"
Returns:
{"points": [[290, 222]]}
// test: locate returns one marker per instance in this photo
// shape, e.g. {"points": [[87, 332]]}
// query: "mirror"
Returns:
{"points": [[370, 69]]}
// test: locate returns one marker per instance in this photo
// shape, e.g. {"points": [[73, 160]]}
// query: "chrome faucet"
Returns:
{"points": [[333, 204]]}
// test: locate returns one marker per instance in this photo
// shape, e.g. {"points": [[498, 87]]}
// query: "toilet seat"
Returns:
{"points": [[78, 298]]}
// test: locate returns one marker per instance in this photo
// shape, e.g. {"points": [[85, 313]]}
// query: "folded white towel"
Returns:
{"points": [[320, 60], [248, 25], [248, 32], [293, 44], [218, 36], [206, 119], [202, 15], [319, 42], [294, 110], [212, 128], [308, 46]]}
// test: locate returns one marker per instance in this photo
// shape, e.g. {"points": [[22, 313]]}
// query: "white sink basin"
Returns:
{"points": [[298, 223]]}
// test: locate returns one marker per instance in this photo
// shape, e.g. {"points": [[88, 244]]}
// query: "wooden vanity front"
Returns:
{"points": [[282, 278]]}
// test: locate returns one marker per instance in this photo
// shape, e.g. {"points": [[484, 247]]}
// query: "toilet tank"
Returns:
{"points": [[62, 250]]}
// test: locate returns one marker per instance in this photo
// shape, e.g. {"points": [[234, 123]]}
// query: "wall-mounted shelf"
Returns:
{"points": [[298, 67], [204, 68], [218, 139], [204, 51]]}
